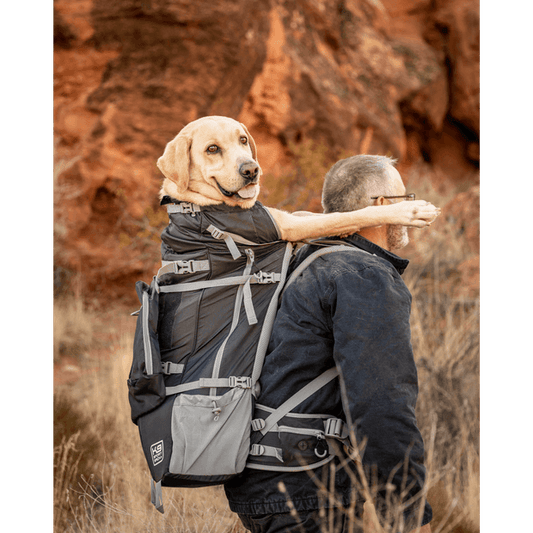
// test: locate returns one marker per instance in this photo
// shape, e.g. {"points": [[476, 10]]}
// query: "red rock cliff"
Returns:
{"points": [[338, 76]]}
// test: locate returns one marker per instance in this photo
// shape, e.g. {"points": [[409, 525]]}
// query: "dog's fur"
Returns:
{"points": [[213, 160]]}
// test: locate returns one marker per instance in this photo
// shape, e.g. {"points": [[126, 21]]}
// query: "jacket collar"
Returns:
{"points": [[397, 262]]}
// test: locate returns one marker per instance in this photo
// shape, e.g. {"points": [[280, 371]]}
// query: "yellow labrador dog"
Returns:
{"points": [[213, 160]]}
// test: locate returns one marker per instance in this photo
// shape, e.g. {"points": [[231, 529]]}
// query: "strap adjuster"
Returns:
{"points": [[258, 424], [257, 449], [243, 382], [333, 427], [217, 233]]}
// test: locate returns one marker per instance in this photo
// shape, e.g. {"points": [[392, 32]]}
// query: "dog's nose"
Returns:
{"points": [[249, 170]]}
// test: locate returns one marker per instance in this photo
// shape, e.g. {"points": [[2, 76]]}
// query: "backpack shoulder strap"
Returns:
{"points": [[324, 378], [327, 249]]}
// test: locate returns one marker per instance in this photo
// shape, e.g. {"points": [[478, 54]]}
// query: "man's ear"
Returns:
{"points": [[251, 141], [175, 161]]}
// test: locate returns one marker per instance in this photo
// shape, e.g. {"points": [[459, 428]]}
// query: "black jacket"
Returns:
{"points": [[350, 310]]}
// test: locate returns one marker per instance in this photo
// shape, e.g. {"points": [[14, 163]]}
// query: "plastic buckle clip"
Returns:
{"points": [[264, 277], [243, 382], [187, 208], [184, 267]]}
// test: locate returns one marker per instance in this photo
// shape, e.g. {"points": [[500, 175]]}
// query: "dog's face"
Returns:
{"points": [[212, 160]]}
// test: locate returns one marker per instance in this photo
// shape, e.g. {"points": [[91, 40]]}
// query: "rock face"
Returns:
{"points": [[349, 76]]}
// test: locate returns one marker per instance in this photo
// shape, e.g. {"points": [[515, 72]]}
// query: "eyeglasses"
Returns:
{"points": [[411, 196]]}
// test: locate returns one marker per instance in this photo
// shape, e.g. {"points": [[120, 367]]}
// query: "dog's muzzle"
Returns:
{"points": [[225, 192], [249, 170]]}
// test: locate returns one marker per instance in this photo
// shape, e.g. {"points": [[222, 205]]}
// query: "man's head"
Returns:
{"points": [[351, 183]]}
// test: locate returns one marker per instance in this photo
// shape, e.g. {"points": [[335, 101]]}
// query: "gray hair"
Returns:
{"points": [[351, 182]]}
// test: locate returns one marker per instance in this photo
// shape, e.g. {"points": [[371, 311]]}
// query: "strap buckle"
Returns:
{"points": [[257, 449], [243, 382], [184, 267], [265, 277], [333, 427], [216, 233], [188, 208], [258, 424]]}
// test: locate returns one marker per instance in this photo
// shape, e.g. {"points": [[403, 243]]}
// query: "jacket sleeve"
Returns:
{"points": [[370, 310]]}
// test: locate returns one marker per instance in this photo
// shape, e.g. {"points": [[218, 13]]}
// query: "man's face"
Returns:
{"points": [[397, 236]]}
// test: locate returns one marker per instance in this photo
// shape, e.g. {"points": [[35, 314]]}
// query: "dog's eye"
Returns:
{"points": [[213, 149], [244, 140]]}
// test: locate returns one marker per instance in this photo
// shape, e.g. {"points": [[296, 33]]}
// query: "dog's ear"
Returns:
{"points": [[175, 161], [251, 141]]}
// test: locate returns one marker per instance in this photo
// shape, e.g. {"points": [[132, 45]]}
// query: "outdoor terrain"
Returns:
{"points": [[313, 80]]}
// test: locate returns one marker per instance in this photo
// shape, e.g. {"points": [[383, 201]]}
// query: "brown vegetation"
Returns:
{"points": [[345, 76], [101, 477]]}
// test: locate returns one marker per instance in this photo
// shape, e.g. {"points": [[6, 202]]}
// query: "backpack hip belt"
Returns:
{"points": [[292, 442]]}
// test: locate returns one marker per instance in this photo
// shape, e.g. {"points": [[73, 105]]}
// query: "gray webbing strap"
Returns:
{"points": [[247, 292], [206, 383], [323, 251], [235, 320], [147, 345], [196, 285], [248, 305], [270, 315], [241, 240], [156, 495], [273, 468], [172, 368], [260, 277], [266, 451], [183, 267], [227, 238], [183, 207], [298, 398]]}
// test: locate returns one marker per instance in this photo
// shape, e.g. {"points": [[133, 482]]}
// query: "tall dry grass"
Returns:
{"points": [[101, 478]]}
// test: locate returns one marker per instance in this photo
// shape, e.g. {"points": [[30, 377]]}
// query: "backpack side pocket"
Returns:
{"points": [[211, 434], [146, 383]]}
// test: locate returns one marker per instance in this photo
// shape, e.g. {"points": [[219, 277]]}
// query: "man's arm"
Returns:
{"points": [[372, 349]]}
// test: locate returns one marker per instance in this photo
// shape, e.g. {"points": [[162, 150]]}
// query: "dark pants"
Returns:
{"points": [[334, 521]]}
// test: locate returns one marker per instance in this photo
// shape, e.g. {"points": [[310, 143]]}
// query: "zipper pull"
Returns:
{"points": [[216, 411]]}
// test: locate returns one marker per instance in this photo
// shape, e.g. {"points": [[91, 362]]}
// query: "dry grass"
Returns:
{"points": [[73, 328], [101, 477]]}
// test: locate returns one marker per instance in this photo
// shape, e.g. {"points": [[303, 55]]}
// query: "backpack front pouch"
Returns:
{"points": [[211, 434]]}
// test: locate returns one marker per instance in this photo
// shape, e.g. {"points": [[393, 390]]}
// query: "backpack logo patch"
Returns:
{"points": [[158, 452]]}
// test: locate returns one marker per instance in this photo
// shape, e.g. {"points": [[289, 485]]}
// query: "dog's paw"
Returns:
{"points": [[417, 214]]}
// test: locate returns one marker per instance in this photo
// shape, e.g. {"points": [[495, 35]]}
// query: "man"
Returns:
{"points": [[349, 310]]}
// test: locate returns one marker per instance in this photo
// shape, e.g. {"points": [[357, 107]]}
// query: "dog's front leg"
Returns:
{"points": [[297, 227]]}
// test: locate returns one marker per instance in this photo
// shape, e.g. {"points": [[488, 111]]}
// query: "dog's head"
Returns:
{"points": [[212, 160]]}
